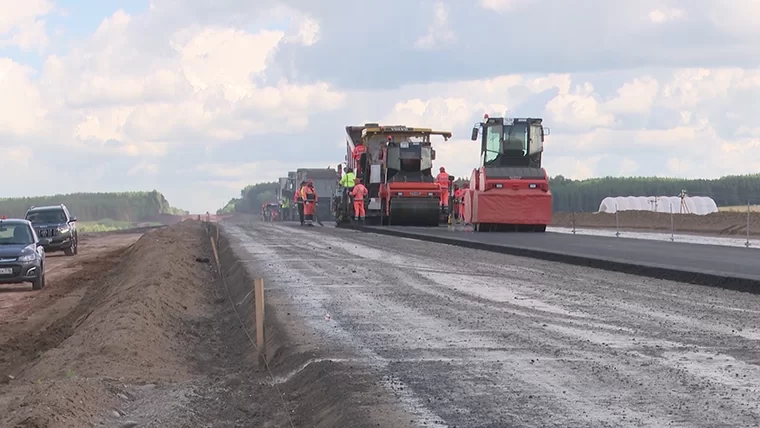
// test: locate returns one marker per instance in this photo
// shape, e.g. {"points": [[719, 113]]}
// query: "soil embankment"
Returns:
{"points": [[718, 224], [147, 338]]}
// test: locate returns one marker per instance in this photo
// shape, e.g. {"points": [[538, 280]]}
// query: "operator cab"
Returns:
{"points": [[511, 142], [409, 160]]}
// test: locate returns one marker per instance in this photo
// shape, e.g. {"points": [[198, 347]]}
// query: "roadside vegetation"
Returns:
{"points": [[108, 225], [126, 207], [586, 195]]}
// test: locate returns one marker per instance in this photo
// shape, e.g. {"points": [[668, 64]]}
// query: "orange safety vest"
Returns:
{"points": [[307, 192], [359, 192], [443, 179]]}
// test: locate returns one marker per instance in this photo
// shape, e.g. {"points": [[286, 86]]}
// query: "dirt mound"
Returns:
{"points": [[131, 326], [722, 223]]}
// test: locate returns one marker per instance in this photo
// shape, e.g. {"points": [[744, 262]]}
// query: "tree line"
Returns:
{"points": [[578, 195], [586, 195], [252, 197], [119, 206]]}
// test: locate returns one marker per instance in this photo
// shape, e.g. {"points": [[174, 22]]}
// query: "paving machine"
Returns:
{"points": [[285, 194], [325, 182], [395, 164], [510, 190]]}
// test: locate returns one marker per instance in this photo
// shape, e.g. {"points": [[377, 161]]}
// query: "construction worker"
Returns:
{"points": [[347, 181], [359, 192], [443, 183], [465, 186], [458, 199], [299, 200], [285, 208], [309, 203]]}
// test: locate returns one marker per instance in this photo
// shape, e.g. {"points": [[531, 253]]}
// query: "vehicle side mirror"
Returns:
{"points": [[432, 154], [43, 241], [474, 136], [546, 131], [73, 219]]}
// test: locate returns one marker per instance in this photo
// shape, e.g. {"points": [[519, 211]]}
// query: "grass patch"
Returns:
{"points": [[108, 225], [740, 208]]}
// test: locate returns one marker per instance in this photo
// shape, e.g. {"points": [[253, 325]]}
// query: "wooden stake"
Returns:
{"points": [[216, 255], [258, 300]]}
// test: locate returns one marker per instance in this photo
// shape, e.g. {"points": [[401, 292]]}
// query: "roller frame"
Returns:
{"points": [[414, 211]]}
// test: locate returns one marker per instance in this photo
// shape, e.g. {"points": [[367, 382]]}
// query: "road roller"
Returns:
{"points": [[510, 190], [395, 163]]}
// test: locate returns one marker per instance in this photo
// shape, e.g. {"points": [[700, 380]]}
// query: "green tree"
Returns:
{"points": [[122, 206], [587, 195], [252, 197]]}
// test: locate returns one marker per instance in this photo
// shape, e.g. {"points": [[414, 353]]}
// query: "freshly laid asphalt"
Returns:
{"points": [[409, 333], [729, 267]]}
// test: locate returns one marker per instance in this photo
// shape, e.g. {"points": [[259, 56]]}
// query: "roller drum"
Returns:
{"points": [[414, 212]]}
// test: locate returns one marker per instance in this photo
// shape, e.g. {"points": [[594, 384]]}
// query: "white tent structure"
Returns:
{"points": [[700, 205]]}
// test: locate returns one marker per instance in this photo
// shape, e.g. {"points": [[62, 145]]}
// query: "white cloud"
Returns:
{"points": [[636, 96], [20, 23], [659, 16], [578, 109], [205, 89], [186, 95], [502, 5], [439, 32], [22, 108]]}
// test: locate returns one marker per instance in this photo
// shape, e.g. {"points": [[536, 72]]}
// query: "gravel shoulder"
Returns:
{"points": [[458, 337]]}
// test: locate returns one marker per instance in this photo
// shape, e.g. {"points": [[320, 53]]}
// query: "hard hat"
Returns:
{"points": [[442, 169]]}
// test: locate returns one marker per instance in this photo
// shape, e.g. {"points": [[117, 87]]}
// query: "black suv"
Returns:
{"points": [[57, 225], [21, 257]]}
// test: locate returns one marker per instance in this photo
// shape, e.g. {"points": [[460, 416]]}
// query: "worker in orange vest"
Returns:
{"points": [[443, 182], [359, 192], [458, 202], [465, 187], [298, 198], [309, 203]]}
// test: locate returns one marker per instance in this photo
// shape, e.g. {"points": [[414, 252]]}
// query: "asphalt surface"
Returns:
{"points": [[469, 338], [725, 261]]}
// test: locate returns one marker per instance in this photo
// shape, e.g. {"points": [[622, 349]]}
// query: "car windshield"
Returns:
{"points": [[15, 234], [47, 216]]}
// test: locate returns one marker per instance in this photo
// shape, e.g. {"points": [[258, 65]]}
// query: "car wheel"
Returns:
{"points": [[70, 251], [39, 283], [76, 245]]}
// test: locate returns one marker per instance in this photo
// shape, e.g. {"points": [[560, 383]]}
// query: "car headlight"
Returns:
{"points": [[28, 257], [63, 229]]}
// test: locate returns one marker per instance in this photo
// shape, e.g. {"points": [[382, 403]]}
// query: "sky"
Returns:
{"points": [[197, 99]]}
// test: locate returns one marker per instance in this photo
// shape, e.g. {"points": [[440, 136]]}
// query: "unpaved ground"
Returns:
{"points": [[464, 338], [64, 275], [148, 341], [717, 224]]}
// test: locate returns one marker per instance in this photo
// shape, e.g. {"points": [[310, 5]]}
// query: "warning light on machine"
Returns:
{"points": [[532, 185]]}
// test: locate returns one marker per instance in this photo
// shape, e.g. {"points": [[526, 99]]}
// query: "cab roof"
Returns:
{"points": [[46, 208], [15, 221]]}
